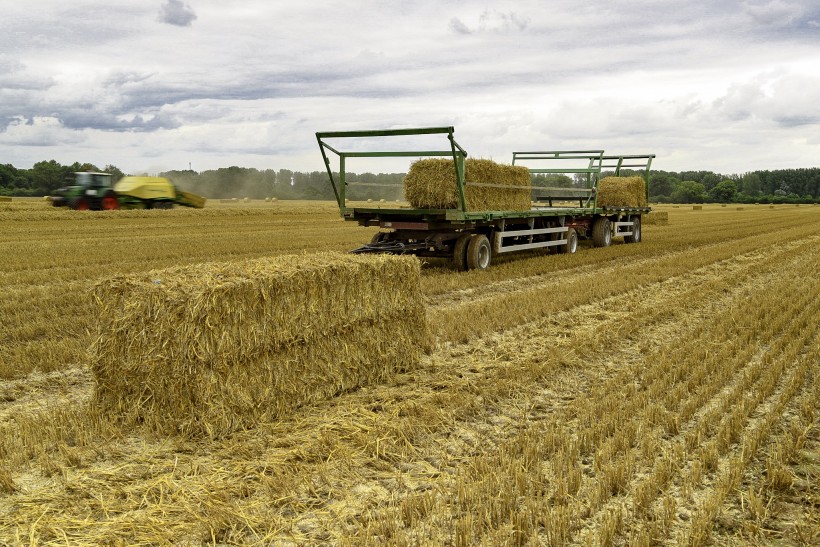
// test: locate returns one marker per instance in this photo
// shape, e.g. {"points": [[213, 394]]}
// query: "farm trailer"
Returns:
{"points": [[558, 219]]}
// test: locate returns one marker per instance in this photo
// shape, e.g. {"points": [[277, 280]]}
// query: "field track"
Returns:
{"points": [[661, 393]]}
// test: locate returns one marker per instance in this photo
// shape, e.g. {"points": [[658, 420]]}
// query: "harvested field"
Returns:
{"points": [[659, 393]]}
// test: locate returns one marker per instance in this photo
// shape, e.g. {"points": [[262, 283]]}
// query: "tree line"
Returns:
{"points": [[767, 186]]}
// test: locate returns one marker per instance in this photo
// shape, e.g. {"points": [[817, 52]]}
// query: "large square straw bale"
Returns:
{"points": [[431, 184], [621, 192], [211, 348]]}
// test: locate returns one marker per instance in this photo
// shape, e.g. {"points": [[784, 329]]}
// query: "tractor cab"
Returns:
{"points": [[90, 190], [90, 180]]}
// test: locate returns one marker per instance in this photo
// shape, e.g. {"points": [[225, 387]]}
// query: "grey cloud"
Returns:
{"points": [[175, 12], [458, 26], [106, 121], [774, 12], [797, 120]]}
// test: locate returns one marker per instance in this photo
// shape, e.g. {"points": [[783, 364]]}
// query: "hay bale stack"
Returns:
{"points": [[210, 349], [431, 184], [621, 192], [660, 218]]}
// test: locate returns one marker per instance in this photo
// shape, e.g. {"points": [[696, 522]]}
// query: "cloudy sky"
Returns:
{"points": [[152, 85]]}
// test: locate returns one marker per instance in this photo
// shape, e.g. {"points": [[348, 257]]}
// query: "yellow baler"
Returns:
{"points": [[153, 193]]}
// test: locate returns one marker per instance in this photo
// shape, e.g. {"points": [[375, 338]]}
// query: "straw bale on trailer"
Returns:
{"points": [[209, 349], [431, 184], [621, 192]]}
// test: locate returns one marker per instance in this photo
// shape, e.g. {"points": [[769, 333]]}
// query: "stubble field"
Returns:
{"points": [[664, 393]]}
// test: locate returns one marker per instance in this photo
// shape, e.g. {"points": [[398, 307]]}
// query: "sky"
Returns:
{"points": [[155, 85]]}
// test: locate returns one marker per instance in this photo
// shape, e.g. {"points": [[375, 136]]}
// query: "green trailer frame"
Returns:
{"points": [[556, 223]]}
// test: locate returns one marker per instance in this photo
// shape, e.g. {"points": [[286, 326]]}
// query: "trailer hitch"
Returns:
{"points": [[391, 247]]}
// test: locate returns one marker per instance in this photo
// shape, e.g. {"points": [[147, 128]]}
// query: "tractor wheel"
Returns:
{"points": [[460, 251], [602, 232], [636, 230], [479, 253], [110, 202], [81, 204], [572, 242]]}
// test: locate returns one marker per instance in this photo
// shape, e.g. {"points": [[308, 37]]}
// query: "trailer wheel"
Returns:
{"points": [[460, 251], [636, 230], [572, 242], [479, 252], [602, 232]]}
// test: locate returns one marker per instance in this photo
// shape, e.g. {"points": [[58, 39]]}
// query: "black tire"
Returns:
{"points": [[572, 242], [636, 230], [602, 232], [460, 251], [81, 204], [479, 253]]}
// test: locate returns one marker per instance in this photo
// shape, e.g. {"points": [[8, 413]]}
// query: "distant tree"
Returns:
{"points": [[661, 184], [723, 192], [116, 174], [689, 191], [47, 176], [11, 177], [554, 180]]}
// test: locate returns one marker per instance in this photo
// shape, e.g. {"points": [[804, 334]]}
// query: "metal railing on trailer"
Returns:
{"points": [[576, 160], [455, 151]]}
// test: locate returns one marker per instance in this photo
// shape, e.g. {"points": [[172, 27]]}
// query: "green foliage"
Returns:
{"points": [[723, 192], [689, 191], [552, 180]]}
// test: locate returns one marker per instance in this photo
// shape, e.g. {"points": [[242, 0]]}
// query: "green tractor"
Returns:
{"points": [[89, 191]]}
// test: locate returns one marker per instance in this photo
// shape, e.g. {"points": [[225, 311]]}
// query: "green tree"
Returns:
{"points": [[661, 184], [116, 174], [750, 184], [689, 191], [47, 176], [723, 192]]}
